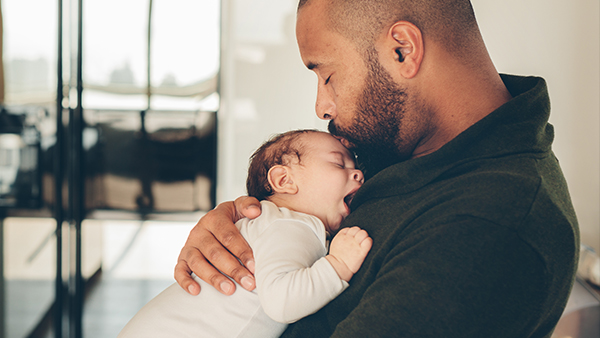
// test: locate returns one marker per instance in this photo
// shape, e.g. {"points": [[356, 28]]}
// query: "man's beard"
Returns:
{"points": [[375, 132]]}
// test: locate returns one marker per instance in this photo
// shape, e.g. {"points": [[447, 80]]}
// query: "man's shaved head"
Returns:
{"points": [[449, 22]]}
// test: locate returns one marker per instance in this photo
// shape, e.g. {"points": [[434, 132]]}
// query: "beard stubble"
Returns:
{"points": [[375, 132]]}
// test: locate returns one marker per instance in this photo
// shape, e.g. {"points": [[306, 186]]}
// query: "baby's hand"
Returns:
{"points": [[348, 250]]}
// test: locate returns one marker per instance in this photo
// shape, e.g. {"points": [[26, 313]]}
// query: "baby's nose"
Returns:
{"points": [[357, 175]]}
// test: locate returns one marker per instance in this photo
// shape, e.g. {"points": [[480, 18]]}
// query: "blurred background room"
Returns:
{"points": [[122, 122]]}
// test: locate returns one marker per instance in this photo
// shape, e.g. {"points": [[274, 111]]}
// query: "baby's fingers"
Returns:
{"points": [[366, 244], [351, 231], [361, 235]]}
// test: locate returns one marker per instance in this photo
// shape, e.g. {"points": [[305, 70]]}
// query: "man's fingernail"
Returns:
{"points": [[247, 282], [250, 265], [225, 287], [191, 289]]}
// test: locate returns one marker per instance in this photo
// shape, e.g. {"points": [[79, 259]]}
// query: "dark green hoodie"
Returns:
{"points": [[478, 239]]}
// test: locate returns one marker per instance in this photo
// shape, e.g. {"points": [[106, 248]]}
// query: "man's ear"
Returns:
{"points": [[281, 181], [404, 43]]}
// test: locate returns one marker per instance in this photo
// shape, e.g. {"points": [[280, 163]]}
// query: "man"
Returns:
{"points": [[474, 234]]}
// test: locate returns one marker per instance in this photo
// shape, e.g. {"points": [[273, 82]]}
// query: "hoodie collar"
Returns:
{"points": [[519, 126]]}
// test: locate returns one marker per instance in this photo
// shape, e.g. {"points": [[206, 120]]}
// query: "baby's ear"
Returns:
{"points": [[280, 179]]}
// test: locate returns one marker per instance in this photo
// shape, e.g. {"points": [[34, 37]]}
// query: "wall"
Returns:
{"points": [[266, 89], [560, 41]]}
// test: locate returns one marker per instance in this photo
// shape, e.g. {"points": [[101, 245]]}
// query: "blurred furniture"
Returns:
{"points": [[581, 318]]}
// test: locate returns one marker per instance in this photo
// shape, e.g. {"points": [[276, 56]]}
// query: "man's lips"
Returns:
{"points": [[344, 142], [347, 143]]}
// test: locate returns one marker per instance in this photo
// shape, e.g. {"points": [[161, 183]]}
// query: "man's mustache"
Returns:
{"points": [[333, 130], [343, 137]]}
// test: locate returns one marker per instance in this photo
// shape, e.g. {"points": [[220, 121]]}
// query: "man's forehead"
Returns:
{"points": [[316, 44], [313, 48], [311, 21]]}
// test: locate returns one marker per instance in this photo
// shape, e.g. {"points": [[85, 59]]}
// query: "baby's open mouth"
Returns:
{"points": [[348, 199]]}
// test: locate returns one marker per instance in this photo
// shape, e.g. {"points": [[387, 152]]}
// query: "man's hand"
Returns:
{"points": [[214, 243]]}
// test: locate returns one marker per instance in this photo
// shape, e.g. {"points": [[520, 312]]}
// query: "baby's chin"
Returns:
{"points": [[333, 228]]}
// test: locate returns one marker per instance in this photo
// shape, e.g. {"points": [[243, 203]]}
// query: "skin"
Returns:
{"points": [[444, 94], [319, 186], [320, 183]]}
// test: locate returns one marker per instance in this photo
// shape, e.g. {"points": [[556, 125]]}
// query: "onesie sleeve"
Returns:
{"points": [[293, 278]]}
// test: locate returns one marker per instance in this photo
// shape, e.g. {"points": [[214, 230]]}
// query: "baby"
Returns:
{"points": [[305, 181]]}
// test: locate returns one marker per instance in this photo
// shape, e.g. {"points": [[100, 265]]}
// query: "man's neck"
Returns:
{"points": [[462, 94]]}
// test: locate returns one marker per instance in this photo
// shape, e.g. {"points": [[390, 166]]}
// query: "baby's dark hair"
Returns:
{"points": [[281, 149]]}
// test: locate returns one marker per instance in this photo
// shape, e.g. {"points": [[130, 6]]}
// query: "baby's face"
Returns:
{"points": [[327, 179]]}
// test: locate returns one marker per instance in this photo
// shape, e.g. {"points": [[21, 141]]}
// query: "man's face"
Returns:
{"points": [[366, 107], [375, 132]]}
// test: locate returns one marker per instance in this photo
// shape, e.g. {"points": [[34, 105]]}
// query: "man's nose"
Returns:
{"points": [[325, 106]]}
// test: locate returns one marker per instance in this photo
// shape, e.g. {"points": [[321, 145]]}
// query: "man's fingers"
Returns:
{"points": [[209, 274], [218, 222], [247, 206], [211, 250], [192, 259], [183, 278], [237, 245], [217, 255]]}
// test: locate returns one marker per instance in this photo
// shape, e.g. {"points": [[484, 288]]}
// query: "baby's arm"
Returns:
{"points": [[293, 277], [348, 250]]}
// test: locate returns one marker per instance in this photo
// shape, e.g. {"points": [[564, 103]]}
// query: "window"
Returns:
{"points": [[29, 53], [184, 54]]}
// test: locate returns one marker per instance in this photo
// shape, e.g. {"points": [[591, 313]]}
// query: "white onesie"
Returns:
{"points": [[293, 280]]}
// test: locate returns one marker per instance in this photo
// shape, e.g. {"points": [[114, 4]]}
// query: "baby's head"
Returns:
{"points": [[281, 149], [307, 171]]}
